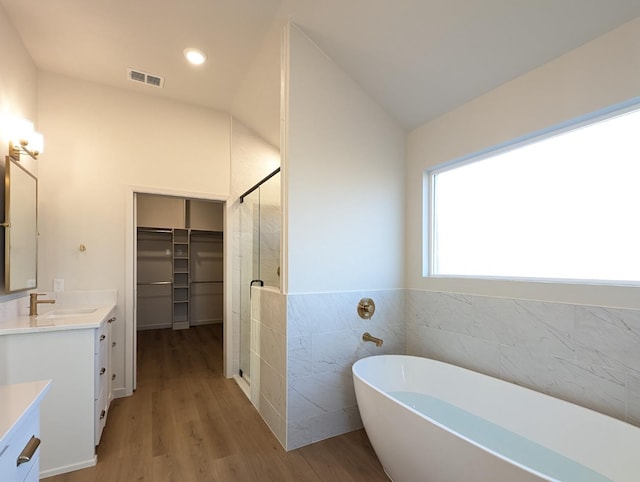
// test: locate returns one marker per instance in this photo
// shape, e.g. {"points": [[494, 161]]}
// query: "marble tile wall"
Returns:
{"points": [[583, 354], [303, 347], [270, 227], [324, 339], [269, 255], [268, 358]]}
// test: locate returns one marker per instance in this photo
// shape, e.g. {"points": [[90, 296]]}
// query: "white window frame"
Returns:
{"points": [[429, 193]]}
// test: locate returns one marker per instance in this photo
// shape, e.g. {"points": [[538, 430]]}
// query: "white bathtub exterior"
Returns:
{"points": [[412, 447]]}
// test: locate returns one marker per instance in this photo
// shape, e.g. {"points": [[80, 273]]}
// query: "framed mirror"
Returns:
{"points": [[20, 227]]}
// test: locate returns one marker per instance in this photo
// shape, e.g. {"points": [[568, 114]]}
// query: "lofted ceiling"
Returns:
{"points": [[417, 58]]}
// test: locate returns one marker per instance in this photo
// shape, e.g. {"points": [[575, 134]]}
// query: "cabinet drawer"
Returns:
{"points": [[101, 378], [12, 448], [102, 338], [34, 471], [101, 409]]}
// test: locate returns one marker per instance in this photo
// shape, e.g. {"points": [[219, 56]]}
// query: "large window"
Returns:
{"points": [[566, 206]]}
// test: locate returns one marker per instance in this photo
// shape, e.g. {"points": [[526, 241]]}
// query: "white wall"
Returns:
{"points": [[601, 73], [18, 82], [18, 98], [257, 102], [100, 142], [343, 164]]}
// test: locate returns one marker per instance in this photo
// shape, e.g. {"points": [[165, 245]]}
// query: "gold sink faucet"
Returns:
{"points": [[34, 302]]}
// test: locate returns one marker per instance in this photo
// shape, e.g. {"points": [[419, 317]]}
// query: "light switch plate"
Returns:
{"points": [[58, 284]]}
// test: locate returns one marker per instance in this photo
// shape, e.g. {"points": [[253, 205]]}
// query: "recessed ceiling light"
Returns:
{"points": [[195, 56]]}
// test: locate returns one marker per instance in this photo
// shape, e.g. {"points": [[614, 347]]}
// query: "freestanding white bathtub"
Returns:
{"points": [[430, 421]]}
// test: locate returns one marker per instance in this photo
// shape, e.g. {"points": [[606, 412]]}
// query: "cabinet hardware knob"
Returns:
{"points": [[113, 343], [102, 414], [111, 320], [102, 337], [113, 377], [102, 370], [28, 451]]}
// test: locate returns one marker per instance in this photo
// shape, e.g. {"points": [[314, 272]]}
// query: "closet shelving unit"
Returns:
{"points": [[206, 276], [154, 283], [181, 279]]}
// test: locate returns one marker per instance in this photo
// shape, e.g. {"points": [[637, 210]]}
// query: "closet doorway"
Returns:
{"points": [[179, 256], [179, 268]]}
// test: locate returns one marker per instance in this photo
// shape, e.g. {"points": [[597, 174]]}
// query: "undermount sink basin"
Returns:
{"points": [[67, 313]]}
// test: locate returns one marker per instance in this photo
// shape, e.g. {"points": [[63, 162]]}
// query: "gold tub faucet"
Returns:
{"points": [[368, 337], [34, 302]]}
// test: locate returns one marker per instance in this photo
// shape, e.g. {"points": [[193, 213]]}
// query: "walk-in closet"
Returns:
{"points": [[179, 266]]}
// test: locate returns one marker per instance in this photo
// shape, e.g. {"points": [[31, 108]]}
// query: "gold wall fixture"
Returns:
{"points": [[15, 151], [23, 139], [366, 308], [366, 336]]}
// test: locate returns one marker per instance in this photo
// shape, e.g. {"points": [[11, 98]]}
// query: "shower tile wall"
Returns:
{"points": [[251, 160], [270, 244], [583, 354], [324, 339], [269, 235], [268, 358]]}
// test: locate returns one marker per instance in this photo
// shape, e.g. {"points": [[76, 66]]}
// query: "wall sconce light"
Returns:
{"points": [[22, 138]]}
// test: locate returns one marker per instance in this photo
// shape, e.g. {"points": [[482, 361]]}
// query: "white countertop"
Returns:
{"points": [[55, 318], [16, 400]]}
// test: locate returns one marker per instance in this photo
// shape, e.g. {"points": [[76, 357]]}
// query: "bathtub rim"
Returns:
{"points": [[357, 369], [444, 427]]}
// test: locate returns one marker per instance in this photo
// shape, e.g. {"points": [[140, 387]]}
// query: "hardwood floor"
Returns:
{"points": [[186, 422]]}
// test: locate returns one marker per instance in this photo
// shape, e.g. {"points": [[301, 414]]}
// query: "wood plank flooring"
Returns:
{"points": [[186, 422]]}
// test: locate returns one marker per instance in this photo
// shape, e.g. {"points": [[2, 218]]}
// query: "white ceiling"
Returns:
{"points": [[418, 58]]}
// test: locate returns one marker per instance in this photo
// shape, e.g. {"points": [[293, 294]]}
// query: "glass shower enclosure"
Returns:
{"points": [[260, 225]]}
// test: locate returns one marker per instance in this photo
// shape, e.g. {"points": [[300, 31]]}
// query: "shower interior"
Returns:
{"points": [[260, 225]]}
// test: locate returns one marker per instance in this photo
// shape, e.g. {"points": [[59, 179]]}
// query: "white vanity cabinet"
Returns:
{"points": [[20, 430], [103, 375], [73, 352]]}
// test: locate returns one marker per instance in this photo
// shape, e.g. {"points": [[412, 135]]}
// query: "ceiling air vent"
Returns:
{"points": [[145, 78]]}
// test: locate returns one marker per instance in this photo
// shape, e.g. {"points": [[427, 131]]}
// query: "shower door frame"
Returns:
{"points": [[255, 190]]}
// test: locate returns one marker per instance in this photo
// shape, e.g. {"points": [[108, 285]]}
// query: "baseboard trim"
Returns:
{"points": [[119, 393], [244, 386], [204, 322], [68, 468], [157, 326]]}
